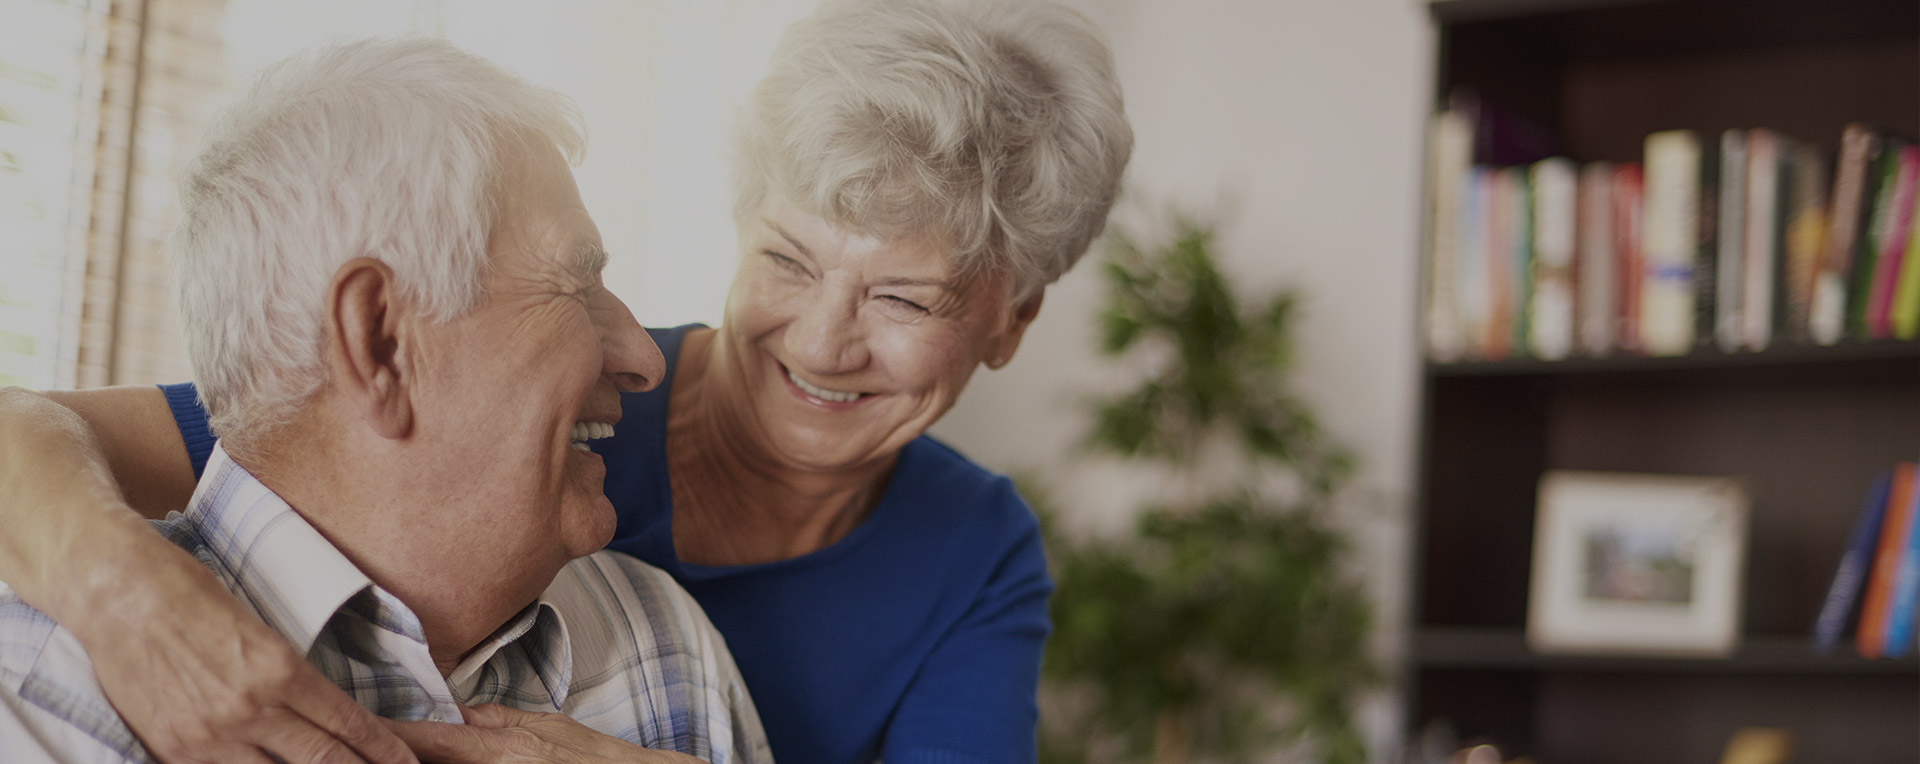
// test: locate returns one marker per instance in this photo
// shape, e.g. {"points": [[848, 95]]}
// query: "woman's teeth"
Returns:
{"points": [[585, 431], [831, 396]]}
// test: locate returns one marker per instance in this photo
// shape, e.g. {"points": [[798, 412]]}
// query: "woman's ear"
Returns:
{"points": [[365, 346], [1009, 341]]}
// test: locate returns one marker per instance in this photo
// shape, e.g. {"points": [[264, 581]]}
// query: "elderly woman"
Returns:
{"points": [[911, 176]]}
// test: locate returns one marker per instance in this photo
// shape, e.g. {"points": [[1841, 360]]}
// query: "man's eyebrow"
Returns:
{"points": [[789, 237], [590, 259], [904, 281]]}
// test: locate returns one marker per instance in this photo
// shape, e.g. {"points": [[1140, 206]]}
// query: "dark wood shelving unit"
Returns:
{"points": [[1806, 427]]}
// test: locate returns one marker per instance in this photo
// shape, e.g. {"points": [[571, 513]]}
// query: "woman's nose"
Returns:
{"points": [[826, 337]]}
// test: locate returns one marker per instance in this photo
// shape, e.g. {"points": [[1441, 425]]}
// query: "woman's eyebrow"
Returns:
{"points": [[789, 237]]}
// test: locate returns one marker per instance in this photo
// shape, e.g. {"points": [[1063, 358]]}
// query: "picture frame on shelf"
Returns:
{"points": [[1637, 563]]}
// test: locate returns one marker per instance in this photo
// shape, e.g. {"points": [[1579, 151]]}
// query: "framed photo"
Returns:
{"points": [[1630, 563]]}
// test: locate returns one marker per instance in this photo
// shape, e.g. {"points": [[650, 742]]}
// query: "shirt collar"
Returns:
{"points": [[296, 580]]}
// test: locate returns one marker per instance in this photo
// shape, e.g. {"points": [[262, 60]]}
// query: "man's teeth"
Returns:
{"points": [[585, 431], [822, 393]]}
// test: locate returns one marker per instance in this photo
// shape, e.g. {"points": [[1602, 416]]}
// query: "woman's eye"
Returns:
{"points": [[786, 263]]}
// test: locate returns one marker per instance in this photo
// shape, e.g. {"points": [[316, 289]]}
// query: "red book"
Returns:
{"points": [[1627, 201], [1886, 563]]}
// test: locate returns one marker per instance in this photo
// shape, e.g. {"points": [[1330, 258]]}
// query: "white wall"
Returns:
{"points": [[1306, 118]]}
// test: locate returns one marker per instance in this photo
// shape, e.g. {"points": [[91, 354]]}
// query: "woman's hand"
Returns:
{"points": [[496, 734], [198, 678]]}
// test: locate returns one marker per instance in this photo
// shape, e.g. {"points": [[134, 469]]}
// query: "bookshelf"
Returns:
{"points": [[1806, 427]]}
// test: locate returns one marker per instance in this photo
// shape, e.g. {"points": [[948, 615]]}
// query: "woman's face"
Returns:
{"points": [[851, 346]]}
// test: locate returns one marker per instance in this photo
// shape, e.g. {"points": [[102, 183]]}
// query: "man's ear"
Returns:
{"points": [[365, 347], [1008, 342]]}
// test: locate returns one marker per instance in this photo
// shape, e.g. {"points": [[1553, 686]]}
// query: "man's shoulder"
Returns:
{"points": [[54, 697], [613, 588]]}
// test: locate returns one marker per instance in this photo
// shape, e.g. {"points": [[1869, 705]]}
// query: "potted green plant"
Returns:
{"points": [[1227, 624]]}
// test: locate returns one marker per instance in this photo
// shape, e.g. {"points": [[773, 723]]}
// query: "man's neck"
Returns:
{"points": [[383, 525]]}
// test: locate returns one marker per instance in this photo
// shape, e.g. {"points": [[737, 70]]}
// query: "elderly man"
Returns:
{"points": [[391, 297]]}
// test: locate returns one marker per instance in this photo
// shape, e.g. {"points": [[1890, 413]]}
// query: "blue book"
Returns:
{"points": [[1906, 591], [1844, 592]]}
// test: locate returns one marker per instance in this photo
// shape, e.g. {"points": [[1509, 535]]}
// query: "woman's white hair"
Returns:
{"points": [[389, 149], [994, 125]]}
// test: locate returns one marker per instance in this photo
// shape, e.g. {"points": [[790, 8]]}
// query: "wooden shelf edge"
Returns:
{"points": [[1468, 11], [1791, 355], [1470, 648]]}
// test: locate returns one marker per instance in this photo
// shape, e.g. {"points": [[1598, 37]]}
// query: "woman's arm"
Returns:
{"points": [[196, 676], [974, 699]]}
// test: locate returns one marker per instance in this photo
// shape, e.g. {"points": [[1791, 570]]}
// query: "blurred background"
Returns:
{"points": [[1302, 148]]}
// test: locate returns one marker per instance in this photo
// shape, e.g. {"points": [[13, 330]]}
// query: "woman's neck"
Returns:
{"points": [[736, 501]]}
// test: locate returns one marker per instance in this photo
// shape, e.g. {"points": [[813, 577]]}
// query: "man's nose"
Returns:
{"points": [[628, 353]]}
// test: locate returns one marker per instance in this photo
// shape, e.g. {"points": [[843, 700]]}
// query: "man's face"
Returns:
{"points": [[504, 391]]}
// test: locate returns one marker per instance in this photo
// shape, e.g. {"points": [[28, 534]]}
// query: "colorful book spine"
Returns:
{"points": [[1906, 297], [1893, 246], [1859, 152], [1843, 594], [1628, 208], [1729, 285], [1872, 635], [1669, 241], [1555, 201], [1758, 271], [1802, 237], [1906, 583], [1594, 307], [1882, 184]]}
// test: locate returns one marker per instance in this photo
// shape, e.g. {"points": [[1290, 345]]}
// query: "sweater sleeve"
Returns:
{"points": [[191, 418], [974, 700]]}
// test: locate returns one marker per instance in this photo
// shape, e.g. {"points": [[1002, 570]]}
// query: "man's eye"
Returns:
{"points": [[905, 303]]}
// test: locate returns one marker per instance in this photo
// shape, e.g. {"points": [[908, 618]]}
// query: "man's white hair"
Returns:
{"points": [[995, 126], [389, 149]]}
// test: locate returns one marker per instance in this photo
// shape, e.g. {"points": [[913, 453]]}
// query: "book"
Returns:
{"points": [[1669, 238], [1843, 594], [1520, 259], [1872, 634], [1767, 154], [1472, 294], [1906, 582], [1450, 151], [1906, 297], [1804, 231], [1728, 284], [1893, 245], [1860, 148], [1706, 256], [1594, 237], [1877, 193], [1628, 207], [1502, 207], [1554, 204]]}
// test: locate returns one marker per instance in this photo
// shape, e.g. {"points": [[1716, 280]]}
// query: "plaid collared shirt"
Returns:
{"points": [[613, 643]]}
